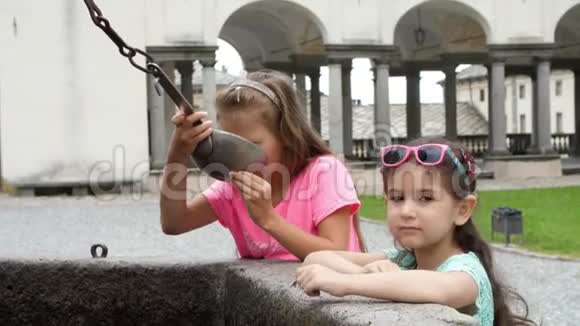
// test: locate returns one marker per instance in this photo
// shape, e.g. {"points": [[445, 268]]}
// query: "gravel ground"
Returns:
{"points": [[66, 227]]}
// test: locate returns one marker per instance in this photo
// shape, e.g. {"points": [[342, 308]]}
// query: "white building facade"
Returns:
{"points": [[472, 87], [72, 109]]}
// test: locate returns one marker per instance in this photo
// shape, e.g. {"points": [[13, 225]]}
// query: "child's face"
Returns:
{"points": [[249, 124], [420, 212]]}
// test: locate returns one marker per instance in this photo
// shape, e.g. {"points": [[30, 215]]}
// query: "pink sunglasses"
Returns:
{"points": [[427, 155]]}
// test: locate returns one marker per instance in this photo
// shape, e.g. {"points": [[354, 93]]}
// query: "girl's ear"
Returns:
{"points": [[465, 210]]}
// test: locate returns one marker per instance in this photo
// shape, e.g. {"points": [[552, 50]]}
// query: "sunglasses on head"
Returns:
{"points": [[427, 155]]}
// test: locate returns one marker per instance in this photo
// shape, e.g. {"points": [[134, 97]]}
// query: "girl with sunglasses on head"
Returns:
{"points": [[300, 201], [439, 256]]}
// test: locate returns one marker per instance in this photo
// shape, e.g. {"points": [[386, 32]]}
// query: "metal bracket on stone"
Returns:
{"points": [[104, 251]]}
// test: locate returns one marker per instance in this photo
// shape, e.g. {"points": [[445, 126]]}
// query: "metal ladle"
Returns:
{"points": [[222, 151]]}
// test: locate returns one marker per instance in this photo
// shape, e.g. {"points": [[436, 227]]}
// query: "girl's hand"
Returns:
{"points": [[381, 266], [316, 278], [186, 136], [257, 194]]}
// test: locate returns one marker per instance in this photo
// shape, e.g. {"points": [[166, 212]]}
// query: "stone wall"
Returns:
{"points": [[158, 292]]}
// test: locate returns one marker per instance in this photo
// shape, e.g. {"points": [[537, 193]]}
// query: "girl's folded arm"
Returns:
{"points": [[454, 289], [343, 261]]}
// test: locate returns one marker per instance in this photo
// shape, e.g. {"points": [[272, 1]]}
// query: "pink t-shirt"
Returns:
{"points": [[320, 189]]}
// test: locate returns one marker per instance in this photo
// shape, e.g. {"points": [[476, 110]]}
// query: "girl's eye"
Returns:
{"points": [[396, 198], [426, 198]]}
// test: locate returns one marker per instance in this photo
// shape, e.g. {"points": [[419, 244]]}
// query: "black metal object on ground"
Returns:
{"points": [[507, 220]]}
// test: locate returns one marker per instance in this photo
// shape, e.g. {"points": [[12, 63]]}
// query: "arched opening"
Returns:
{"points": [[567, 33], [436, 27], [273, 31], [280, 35], [228, 59], [435, 38]]}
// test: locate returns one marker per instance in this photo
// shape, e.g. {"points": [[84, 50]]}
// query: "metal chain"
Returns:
{"points": [[130, 52], [125, 50]]}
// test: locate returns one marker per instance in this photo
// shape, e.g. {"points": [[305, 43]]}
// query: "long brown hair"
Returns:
{"points": [[288, 122], [467, 235], [286, 119]]}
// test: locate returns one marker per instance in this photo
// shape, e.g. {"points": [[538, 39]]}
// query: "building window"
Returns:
{"points": [[482, 95], [522, 123], [522, 91], [559, 118], [558, 88]]}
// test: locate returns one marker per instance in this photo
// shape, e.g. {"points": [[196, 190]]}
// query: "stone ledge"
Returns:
{"points": [[160, 291], [523, 166], [527, 157], [258, 280]]}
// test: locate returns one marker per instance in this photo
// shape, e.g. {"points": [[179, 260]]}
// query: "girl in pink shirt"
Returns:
{"points": [[303, 200]]}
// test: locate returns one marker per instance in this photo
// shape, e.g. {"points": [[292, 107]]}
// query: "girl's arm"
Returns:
{"points": [[333, 233], [454, 289], [343, 261], [177, 215]]}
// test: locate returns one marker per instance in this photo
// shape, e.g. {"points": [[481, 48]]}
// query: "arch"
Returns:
{"points": [[457, 9], [567, 32], [564, 27], [439, 19], [251, 42], [307, 12], [281, 28], [246, 61]]}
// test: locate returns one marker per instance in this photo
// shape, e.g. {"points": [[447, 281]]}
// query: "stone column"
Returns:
{"points": [[383, 135], [185, 69], [534, 148], [576, 150], [374, 73], [209, 89], [300, 81], [335, 109], [497, 118], [413, 104], [315, 99], [161, 109], [514, 102], [543, 133], [450, 96], [347, 108]]}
